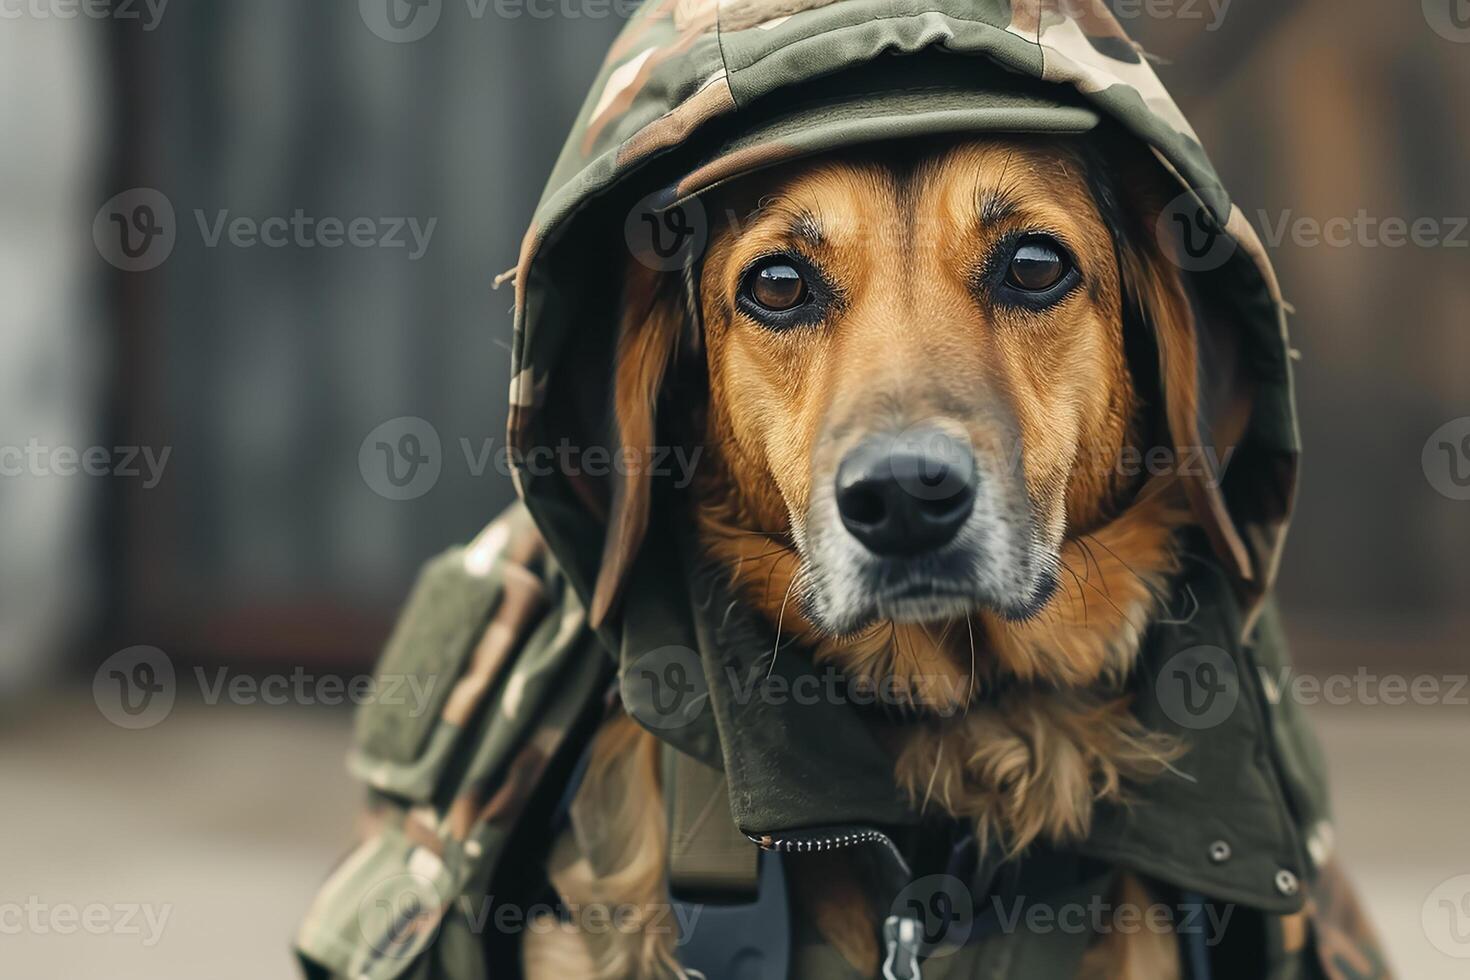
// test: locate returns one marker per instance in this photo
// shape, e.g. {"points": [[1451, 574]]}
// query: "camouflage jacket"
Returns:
{"points": [[463, 795]]}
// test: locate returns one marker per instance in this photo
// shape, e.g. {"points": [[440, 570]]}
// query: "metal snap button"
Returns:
{"points": [[1286, 882], [1220, 852]]}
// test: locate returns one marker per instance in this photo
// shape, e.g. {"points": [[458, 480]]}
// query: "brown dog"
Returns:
{"points": [[920, 383]]}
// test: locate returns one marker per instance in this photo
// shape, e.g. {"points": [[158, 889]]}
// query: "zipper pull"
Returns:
{"points": [[901, 937]]}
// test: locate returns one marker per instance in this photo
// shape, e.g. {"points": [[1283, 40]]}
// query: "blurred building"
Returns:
{"points": [[263, 371], [54, 336]]}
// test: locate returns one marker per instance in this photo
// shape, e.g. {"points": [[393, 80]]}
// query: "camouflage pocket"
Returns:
{"points": [[467, 614], [505, 666]]}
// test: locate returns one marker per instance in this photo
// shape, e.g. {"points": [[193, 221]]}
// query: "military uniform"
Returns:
{"points": [[466, 798]]}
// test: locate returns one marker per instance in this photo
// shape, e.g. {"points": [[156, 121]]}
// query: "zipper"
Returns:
{"points": [[828, 839], [901, 939], [900, 933]]}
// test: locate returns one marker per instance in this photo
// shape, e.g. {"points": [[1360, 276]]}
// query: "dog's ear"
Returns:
{"points": [[1206, 391], [653, 318]]}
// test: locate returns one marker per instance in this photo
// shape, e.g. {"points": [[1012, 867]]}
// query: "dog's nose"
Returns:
{"points": [[908, 494]]}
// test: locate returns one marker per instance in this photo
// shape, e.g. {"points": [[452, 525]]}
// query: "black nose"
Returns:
{"points": [[908, 494]]}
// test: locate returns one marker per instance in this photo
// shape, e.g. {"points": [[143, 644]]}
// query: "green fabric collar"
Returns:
{"points": [[697, 672]]}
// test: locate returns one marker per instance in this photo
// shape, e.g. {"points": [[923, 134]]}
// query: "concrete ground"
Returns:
{"points": [[191, 849]]}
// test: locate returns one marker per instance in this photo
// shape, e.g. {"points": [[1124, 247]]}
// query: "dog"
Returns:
{"points": [[919, 367]]}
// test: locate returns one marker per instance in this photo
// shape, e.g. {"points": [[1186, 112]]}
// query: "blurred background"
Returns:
{"points": [[192, 391]]}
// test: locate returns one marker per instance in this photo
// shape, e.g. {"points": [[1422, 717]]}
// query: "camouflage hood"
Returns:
{"points": [[683, 103], [680, 105]]}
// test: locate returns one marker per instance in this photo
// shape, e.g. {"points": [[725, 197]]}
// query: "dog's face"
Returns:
{"points": [[917, 369]]}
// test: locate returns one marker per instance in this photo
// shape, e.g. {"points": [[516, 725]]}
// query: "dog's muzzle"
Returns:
{"points": [[909, 494]]}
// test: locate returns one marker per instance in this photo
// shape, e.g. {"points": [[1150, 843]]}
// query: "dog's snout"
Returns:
{"points": [[907, 495]]}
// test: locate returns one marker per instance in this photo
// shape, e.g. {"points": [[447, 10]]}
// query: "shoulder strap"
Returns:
{"points": [[709, 858]]}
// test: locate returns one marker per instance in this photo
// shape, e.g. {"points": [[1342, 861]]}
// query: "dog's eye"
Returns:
{"points": [[1037, 265], [776, 286]]}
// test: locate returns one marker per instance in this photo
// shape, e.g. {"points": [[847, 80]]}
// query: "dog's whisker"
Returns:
{"points": [[970, 627], [1080, 593], [1104, 595], [779, 621], [775, 567], [1156, 591]]}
